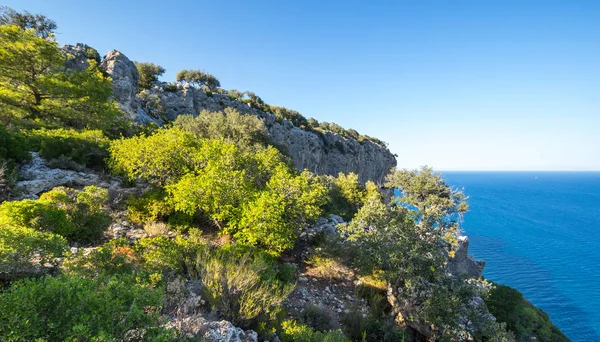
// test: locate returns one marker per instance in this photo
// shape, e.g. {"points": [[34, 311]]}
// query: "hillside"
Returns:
{"points": [[132, 209]]}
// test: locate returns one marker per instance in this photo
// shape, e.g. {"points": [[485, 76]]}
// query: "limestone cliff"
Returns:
{"points": [[321, 153]]}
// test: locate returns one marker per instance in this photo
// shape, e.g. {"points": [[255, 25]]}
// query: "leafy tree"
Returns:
{"points": [[245, 131], [235, 94], [346, 194], [42, 26], [36, 88], [282, 113], [149, 73], [198, 77], [437, 205]]}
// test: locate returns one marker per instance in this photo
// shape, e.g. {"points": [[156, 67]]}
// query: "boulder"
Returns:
{"points": [[78, 56], [38, 177], [197, 327]]}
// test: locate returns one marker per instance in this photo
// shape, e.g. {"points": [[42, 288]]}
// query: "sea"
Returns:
{"points": [[539, 232]]}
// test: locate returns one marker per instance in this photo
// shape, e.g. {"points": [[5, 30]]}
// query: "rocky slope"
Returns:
{"points": [[326, 153]]}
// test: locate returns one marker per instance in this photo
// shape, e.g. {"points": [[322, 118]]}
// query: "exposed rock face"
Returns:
{"points": [[464, 263], [38, 177], [78, 59], [212, 331], [326, 153]]}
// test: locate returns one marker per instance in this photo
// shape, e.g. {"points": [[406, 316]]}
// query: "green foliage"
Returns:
{"points": [[198, 77], [521, 317], [19, 245], [317, 317], [235, 94], [240, 284], [88, 148], [346, 194], [71, 308], [161, 158], [253, 194], [372, 328], [245, 131], [149, 73], [8, 178], [437, 204], [151, 206], [274, 218], [36, 89], [41, 26], [13, 145], [282, 113], [292, 331], [75, 215]]}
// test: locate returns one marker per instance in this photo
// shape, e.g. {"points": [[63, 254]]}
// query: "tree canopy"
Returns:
{"points": [[149, 73], [198, 77], [40, 24], [35, 87]]}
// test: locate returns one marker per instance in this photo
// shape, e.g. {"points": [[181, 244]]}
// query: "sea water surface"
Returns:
{"points": [[539, 232]]}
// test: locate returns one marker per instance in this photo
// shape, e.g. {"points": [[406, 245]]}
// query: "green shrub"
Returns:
{"points": [[8, 178], [13, 145], [282, 113], [75, 215], [371, 328], [152, 206], [85, 209], [245, 131], [71, 308], [19, 245], [346, 194], [291, 331], [317, 317], [242, 287], [171, 87], [198, 77], [88, 148], [521, 317]]}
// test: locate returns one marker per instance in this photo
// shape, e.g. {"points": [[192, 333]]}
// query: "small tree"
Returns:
{"points": [[198, 77], [149, 73], [42, 26]]}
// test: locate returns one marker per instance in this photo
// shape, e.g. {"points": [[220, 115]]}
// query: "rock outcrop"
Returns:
{"points": [[321, 153], [464, 263]]}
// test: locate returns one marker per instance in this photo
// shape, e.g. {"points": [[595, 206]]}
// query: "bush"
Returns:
{"points": [[13, 145], [291, 331], [19, 245], [88, 148], [328, 268], [371, 328], [152, 206], [198, 77], [76, 215], [346, 194], [71, 308], [240, 285], [8, 178], [282, 113], [156, 228], [521, 317], [317, 317], [245, 131]]}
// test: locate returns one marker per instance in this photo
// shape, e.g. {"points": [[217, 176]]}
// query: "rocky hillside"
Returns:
{"points": [[319, 152]]}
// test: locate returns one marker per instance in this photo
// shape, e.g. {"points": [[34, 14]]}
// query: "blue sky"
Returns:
{"points": [[457, 85]]}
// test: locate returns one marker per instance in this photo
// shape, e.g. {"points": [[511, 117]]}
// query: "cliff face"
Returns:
{"points": [[321, 153]]}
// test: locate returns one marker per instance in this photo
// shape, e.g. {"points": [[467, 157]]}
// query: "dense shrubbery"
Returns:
{"points": [[346, 194], [87, 148], [292, 331], [72, 308], [75, 215], [245, 131], [521, 317], [255, 196]]}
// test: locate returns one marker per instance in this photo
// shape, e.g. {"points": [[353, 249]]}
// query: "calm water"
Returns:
{"points": [[539, 232]]}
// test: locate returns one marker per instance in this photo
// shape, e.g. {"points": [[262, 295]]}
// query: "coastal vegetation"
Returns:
{"points": [[227, 221]]}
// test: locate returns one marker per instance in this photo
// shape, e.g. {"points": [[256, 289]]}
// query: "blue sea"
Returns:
{"points": [[539, 232]]}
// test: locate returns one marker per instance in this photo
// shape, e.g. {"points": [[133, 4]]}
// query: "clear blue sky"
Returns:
{"points": [[457, 85]]}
